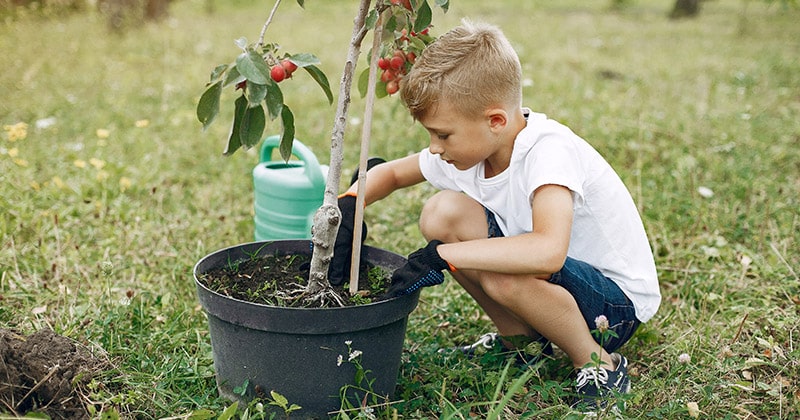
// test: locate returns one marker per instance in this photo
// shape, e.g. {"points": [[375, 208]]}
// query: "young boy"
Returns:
{"points": [[530, 220]]}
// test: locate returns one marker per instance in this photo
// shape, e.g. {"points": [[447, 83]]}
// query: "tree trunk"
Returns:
{"points": [[328, 217], [156, 9], [685, 8]]}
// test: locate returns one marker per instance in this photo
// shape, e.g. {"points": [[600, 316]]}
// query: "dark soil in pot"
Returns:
{"points": [[277, 279]]}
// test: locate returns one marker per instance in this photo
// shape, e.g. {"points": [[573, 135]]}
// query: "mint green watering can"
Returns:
{"points": [[287, 194]]}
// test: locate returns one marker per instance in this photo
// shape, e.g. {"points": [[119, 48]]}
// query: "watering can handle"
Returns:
{"points": [[312, 168]]}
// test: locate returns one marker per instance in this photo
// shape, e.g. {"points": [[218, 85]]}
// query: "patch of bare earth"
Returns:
{"points": [[45, 373]]}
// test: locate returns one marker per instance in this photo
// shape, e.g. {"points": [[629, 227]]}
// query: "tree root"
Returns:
{"points": [[325, 296]]}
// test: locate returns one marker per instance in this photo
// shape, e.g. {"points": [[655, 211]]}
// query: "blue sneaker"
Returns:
{"points": [[597, 386], [529, 352], [484, 344]]}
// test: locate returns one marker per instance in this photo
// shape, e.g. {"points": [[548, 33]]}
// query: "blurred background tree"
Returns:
{"points": [[120, 14]]}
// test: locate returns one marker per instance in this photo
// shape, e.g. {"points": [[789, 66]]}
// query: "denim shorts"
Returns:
{"points": [[595, 294]]}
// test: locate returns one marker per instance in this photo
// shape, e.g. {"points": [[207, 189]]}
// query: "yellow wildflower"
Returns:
{"points": [[103, 133], [102, 175], [35, 186], [13, 152], [16, 131], [124, 183], [21, 162], [79, 163], [58, 182], [142, 123], [97, 163]]}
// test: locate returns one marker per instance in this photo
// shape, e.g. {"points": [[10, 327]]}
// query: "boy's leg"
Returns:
{"points": [[453, 217], [517, 304]]}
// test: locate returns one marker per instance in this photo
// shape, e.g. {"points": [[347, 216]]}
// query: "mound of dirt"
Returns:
{"points": [[45, 372]]}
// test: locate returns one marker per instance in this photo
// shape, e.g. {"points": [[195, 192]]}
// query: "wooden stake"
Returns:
{"points": [[366, 132]]}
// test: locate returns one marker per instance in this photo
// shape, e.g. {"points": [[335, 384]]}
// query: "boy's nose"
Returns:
{"points": [[436, 148]]}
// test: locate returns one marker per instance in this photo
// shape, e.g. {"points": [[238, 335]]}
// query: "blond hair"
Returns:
{"points": [[472, 67]]}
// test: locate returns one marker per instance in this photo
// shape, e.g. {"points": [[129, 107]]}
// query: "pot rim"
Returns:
{"points": [[260, 244], [299, 319]]}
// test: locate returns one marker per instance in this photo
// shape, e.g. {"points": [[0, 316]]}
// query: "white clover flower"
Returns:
{"points": [[705, 192], [693, 409], [601, 322], [107, 268], [684, 358]]}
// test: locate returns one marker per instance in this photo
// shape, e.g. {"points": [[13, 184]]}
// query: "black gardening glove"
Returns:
{"points": [[339, 269], [424, 268]]}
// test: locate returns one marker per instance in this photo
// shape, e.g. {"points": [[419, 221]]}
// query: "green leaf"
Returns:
{"points": [[252, 127], [255, 94], [372, 18], [232, 76], [417, 43], [287, 138], [424, 17], [279, 400], [253, 67], [302, 3], [229, 412], [363, 85], [241, 43], [201, 415], [234, 143], [444, 4], [322, 80], [274, 100], [363, 82], [304, 59], [389, 27], [217, 72], [380, 90], [36, 415], [359, 376], [208, 106]]}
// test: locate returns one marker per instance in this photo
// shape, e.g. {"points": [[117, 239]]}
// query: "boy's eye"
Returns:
{"points": [[442, 136]]}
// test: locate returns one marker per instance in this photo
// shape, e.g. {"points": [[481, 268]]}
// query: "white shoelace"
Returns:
{"points": [[598, 376], [485, 341]]}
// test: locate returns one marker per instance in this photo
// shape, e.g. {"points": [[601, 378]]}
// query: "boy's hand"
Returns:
{"points": [[424, 268], [339, 269]]}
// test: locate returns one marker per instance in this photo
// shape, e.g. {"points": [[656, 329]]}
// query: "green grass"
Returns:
{"points": [[102, 250]]}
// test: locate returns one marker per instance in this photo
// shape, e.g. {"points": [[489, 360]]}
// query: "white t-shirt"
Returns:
{"points": [[607, 231]]}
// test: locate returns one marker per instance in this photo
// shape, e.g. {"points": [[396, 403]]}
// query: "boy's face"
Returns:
{"points": [[460, 141]]}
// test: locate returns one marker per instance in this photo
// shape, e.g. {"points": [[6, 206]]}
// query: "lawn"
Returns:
{"points": [[110, 192]]}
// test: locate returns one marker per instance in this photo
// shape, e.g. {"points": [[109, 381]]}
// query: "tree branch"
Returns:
{"points": [[266, 24]]}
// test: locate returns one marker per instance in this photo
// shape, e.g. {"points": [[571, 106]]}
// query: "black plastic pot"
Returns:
{"points": [[295, 351]]}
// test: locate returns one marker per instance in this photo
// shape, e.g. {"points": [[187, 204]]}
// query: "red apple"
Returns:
{"points": [[278, 73]]}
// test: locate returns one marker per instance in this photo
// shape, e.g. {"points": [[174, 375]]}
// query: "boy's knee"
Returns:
{"points": [[443, 216], [499, 288], [435, 216], [507, 288]]}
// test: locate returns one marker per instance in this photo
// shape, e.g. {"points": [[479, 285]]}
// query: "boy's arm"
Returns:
{"points": [[387, 177], [540, 252], [382, 180]]}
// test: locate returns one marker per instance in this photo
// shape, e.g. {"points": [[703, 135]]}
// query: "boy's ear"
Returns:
{"points": [[497, 118]]}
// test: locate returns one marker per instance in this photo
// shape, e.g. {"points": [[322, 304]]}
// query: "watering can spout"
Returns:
{"points": [[287, 193]]}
